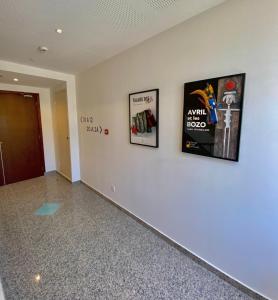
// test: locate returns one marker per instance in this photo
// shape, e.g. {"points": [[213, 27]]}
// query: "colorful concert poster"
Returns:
{"points": [[212, 116]]}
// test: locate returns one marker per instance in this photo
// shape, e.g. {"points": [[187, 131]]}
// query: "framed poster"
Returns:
{"points": [[212, 116], [143, 118]]}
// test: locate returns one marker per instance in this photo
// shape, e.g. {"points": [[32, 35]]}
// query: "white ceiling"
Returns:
{"points": [[24, 79], [94, 30]]}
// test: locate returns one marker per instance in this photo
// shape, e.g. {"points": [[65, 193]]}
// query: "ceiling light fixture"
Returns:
{"points": [[16, 79], [37, 278], [42, 49], [59, 30]]}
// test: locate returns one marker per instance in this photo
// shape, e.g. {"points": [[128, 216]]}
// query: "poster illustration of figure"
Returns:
{"points": [[143, 118], [212, 116]]}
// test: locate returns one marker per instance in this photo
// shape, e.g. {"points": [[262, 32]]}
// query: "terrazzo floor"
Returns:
{"points": [[89, 249]]}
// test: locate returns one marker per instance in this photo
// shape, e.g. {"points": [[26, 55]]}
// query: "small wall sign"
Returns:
{"points": [[90, 126]]}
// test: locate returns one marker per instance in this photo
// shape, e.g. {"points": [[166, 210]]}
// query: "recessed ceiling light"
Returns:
{"points": [[42, 49], [37, 278], [59, 30], [16, 79]]}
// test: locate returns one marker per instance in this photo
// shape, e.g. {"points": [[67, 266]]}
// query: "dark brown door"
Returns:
{"points": [[21, 137], [2, 175]]}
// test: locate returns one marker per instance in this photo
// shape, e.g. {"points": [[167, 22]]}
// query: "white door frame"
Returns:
{"points": [[72, 105]]}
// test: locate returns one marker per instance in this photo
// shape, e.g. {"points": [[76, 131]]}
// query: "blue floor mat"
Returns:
{"points": [[47, 209]]}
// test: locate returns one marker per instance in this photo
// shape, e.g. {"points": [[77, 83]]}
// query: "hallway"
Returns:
{"points": [[89, 249]]}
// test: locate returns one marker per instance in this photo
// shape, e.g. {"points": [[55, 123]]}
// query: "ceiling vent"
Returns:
{"points": [[120, 13], [160, 4], [42, 49]]}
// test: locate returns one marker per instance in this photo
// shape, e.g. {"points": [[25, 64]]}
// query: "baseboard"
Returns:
{"points": [[63, 175], [204, 263]]}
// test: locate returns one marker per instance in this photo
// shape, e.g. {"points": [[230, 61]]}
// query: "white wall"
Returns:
{"points": [[46, 120], [61, 132], [2, 296], [225, 212]]}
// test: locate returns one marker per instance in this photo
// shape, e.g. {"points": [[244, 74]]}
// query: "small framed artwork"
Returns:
{"points": [[212, 116], [144, 118]]}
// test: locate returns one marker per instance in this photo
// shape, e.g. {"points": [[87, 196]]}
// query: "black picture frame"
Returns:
{"points": [[206, 141], [149, 140]]}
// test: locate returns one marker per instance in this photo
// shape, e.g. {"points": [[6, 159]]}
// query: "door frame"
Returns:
{"points": [[36, 97]]}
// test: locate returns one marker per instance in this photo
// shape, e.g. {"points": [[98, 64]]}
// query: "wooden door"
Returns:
{"points": [[21, 137], [2, 174]]}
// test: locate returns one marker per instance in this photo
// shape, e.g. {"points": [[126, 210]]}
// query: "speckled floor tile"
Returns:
{"points": [[90, 250]]}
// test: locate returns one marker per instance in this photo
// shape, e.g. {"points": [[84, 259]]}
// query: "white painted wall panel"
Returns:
{"points": [[223, 211]]}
